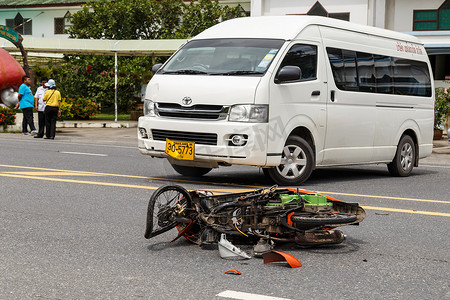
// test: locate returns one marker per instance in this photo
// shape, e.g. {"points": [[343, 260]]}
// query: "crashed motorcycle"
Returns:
{"points": [[274, 215]]}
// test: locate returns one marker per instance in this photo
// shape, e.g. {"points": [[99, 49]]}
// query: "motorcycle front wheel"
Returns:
{"points": [[163, 206], [324, 219]]}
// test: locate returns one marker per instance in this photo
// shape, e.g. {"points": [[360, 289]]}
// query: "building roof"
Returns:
{"points": [[97, 47], [436, 42], [39, 3]]}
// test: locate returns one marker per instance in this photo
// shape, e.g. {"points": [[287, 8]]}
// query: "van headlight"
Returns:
{"points": [[149, 108], [249, 113]]}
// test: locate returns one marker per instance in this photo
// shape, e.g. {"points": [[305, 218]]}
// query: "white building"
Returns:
{"points": [[48, 19], [38, 20], [428, 20]]}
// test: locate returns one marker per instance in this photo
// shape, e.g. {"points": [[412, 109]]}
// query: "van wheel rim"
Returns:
{"points": [[406, 156], [293, 162]]}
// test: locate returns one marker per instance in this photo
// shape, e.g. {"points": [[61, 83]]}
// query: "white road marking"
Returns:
{"points": [[69, 143], [247, 296], [81, 153]]}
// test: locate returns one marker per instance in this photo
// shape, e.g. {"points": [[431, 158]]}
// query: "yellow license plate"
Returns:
{"points": [[180, 150]]}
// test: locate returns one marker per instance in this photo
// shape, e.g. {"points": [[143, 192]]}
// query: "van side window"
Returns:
{"points": [[303, 56], [343, 64], [411, 77], [351, 75], [373, 73], [366, 72], [337, 66], [383, 73]]}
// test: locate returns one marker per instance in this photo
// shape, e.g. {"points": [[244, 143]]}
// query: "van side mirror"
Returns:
{"points": [[288, 73], [156, 67]]}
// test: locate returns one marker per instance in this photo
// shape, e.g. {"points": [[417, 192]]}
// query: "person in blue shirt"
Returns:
{"points": [[26, 104]]}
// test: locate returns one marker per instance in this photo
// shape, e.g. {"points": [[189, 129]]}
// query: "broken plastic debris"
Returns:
{"points": [[277, 256], [261, 247], [229, 251], [233, 272]]}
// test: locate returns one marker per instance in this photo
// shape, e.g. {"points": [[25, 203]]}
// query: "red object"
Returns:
{"points": [[289, 220], [183, 232], [11, 72], [278, 256], [233, 272], [447, 77]]}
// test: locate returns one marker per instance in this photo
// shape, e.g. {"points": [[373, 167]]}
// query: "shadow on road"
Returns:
{"points": [[253, 177]]}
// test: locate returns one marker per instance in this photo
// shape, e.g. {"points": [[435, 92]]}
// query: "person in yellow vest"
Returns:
{"points": [[52, 99]]}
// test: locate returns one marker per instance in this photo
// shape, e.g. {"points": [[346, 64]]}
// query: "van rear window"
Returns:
{"points": [[372, 73]]}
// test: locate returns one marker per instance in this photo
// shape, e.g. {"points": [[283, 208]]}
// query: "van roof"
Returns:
{"points": [[288, 27]]}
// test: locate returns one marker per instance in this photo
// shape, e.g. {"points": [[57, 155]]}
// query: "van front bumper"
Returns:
{"points": [[222, 152]]}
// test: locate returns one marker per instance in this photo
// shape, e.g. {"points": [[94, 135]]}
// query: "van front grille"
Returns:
{"points": [[197, 137], [200, 111]]}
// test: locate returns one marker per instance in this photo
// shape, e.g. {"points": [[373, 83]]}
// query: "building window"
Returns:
{"points": [[21, 25], [340, 16], [425, 20], [438, 19], [319, 10], [61, 24]]}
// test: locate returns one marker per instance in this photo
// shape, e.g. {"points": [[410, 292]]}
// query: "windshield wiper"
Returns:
{"points": [[238, 73], [185, 72]]}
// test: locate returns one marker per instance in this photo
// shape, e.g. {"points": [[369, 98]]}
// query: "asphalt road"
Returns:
{"points": [[73, 212]]}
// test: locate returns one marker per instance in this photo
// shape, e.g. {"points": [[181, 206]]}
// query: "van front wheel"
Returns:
{"points": [[297, 163]]}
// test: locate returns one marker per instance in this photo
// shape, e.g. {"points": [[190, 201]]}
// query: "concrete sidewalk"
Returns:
{"points": [[440, 155], [75, 123], [96, 124]]}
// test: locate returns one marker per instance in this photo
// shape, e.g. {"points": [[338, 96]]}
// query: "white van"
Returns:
{"points": [[289, 94]]}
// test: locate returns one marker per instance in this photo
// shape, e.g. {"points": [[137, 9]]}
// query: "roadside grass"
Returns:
{"points": [[111, 117]]}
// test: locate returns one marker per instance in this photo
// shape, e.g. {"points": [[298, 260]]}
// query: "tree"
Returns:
{"points": [[148, 19], [130, 19], [126, 19], [198, 16]]}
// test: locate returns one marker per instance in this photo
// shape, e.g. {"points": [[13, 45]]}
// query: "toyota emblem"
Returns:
{"points": [[186, 101]]}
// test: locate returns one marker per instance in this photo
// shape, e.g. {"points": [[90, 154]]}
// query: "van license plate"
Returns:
{"points": [[180, 149]]}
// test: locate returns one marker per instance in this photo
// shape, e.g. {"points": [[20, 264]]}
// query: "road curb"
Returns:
{"points": [[95, 124]]}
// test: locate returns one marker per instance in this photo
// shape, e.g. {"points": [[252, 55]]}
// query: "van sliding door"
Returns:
{"points": [[350, 109]]}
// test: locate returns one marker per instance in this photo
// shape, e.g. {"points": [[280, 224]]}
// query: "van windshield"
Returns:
{"points": [[226, 57]]}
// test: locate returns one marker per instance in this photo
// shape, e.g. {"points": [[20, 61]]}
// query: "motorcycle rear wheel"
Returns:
{"points": [[161, 209]]}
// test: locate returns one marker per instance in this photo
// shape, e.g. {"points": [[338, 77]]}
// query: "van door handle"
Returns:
{"points": [[332, 96], [315, 93]]}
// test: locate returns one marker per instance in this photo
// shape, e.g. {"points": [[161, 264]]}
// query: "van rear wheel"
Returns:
{"points": [[405, 156], [191, 171], [297, 163]]}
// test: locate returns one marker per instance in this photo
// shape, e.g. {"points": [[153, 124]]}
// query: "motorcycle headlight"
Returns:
{"points": [[149, 108], [249, 113]]}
